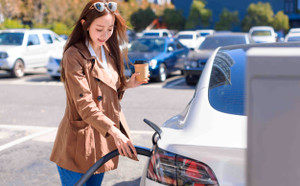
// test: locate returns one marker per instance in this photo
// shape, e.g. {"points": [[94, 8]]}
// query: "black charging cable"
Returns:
{"points": [[140, 150]]}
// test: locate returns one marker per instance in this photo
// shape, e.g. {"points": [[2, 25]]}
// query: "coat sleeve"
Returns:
{"points": [[81, 94]]}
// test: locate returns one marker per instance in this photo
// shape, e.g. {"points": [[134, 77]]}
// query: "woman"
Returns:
{"points": [[93, 74]]}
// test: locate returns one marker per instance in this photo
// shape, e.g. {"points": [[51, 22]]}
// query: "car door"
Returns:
{"points": [[34, 54], [179, 53]]}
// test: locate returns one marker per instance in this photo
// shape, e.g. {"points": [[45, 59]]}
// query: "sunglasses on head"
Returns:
{"points": [[99, 6]]}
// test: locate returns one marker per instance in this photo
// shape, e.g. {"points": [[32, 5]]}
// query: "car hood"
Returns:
{"points": [[200, 54]]}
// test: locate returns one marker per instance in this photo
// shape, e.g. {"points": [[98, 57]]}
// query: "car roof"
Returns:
{"points": [[266, 45], [261, 28], [187, 32]]}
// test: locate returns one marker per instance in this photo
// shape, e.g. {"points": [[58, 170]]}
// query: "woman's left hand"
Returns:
{"points": [[133, 82]]}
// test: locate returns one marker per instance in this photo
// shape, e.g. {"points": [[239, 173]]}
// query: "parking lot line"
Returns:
{"points": [[45, 130]]}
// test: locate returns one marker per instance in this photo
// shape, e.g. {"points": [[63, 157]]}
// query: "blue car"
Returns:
{"points": [[161, 53]]}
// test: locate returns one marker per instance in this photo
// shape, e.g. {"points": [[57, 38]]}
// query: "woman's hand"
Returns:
{"points": [[133, 82], [124, 145]]}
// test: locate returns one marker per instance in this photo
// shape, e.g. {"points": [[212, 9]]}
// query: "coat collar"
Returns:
{"points": [[97, 70]]}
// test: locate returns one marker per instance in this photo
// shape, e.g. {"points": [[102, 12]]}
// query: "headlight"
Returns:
{"points": [[3, 55], [172, 169], [54, 60], [152, 63]]}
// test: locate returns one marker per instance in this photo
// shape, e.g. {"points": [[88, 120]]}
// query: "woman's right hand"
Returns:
{"points": [[124, 145]]}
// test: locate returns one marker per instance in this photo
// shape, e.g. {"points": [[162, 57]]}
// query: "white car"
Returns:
{"points": [[190, 39], [157, 33], [263, 34], [294, 31], [292, 37], [21, 49], [206, 144], [53, 66]]}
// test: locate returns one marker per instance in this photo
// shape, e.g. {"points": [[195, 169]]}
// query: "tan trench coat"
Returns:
{"points": [[92, 108]]}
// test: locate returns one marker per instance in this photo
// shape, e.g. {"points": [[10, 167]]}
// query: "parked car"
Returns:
{"points": [[196, 60], [53, 66], [292, 37], [190, 39], [206, 144], [157, 33], [162, 53], [263, 34], [294, 30], [21, 49]]}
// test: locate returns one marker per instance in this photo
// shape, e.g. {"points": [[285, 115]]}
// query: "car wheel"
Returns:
{"points": [[18, 69], [162, 74], [190, 80]]}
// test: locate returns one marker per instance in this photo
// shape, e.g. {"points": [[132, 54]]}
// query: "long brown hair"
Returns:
{"points": [[117, 39]]}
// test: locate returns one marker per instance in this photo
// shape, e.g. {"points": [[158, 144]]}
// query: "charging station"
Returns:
{"points": [[273, 109]]}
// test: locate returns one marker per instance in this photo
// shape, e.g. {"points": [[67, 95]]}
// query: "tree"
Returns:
{"points": [[227, 19], [260, 14], [199, 15], [173, 19], [281, 21], [142, 18]]}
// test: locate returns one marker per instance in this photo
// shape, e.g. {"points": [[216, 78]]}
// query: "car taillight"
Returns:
{"points": [[171, 169]]}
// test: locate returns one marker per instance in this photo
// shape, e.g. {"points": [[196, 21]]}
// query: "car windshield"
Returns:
{"points": [[7, 38], [185, 36], [211, 43], [261, 33], [227, 82], [148, 45]]}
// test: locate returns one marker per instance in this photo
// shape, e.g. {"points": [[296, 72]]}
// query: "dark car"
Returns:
{"points": [[161, 53], [196, 60]]}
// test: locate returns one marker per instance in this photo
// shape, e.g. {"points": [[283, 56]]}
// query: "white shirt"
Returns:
{"points": [[103, 63]]}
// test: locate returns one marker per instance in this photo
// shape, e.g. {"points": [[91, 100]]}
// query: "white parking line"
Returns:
{"points": [[25, 138], [178, 81], [43, 131]]}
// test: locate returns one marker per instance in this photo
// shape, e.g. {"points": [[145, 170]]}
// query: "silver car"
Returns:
{"points": [[21, 49]]}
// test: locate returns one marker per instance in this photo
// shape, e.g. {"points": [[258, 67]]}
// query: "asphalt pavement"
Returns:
{"points": [[31, 108]]}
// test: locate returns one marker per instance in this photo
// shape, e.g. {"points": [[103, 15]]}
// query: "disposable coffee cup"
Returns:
{"points": [[143, 68]]}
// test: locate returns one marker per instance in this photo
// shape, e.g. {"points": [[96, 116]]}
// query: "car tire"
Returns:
{"points": [[18, 69], [190, 80], [162, 73]]}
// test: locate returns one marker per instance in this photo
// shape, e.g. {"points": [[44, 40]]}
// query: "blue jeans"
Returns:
{"points": [[69, 178]]}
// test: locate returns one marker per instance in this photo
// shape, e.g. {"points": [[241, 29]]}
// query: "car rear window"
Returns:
{"points": [[7, 38], [227, 82]]}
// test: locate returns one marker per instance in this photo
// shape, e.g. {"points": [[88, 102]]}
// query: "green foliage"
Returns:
{"points": [[61, 28], [227, 19], [281, 21], [174, 19], [199, 15], [260, 14], [142, 18], [12, 23]]}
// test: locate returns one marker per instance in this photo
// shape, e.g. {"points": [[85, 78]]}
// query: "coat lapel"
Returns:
{"points": [[98, 71]]}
